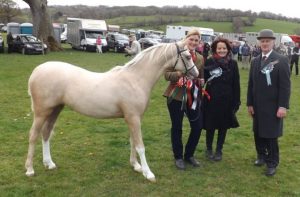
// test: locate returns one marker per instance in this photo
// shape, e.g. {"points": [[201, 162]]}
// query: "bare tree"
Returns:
{"points": [[8, 10], [42, 24], [237, 24]]}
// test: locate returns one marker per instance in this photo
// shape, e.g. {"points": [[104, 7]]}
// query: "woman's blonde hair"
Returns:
{"points": [[193, 32]]}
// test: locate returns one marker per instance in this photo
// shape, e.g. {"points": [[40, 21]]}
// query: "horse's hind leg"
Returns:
{"points": [[47, 131], [133, 159], [35, 130], [134, 124]]}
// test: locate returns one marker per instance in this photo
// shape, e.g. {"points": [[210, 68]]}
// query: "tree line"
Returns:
{"points": [[58, 13]]}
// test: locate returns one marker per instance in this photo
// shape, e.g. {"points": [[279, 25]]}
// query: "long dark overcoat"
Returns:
{"points": [[266, 99], [224, 92]]}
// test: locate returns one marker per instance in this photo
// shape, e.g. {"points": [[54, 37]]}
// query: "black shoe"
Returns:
{"points": [[180, 164], [209, 154], [270, 171], [193, 162], [259, 162], [218, 156]]}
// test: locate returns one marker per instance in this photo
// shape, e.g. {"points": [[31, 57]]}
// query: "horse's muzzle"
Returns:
{"points": [[192, 72]]}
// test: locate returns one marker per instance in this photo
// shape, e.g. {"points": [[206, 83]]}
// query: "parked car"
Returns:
{"points": [[147, 42], [154, 37], [1, 44], [4, 29], [63, 37], [117, 42], [168, 40], [28, 44]]}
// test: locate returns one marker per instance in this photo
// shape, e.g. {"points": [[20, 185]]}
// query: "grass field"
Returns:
{"points": [[93, 155]]}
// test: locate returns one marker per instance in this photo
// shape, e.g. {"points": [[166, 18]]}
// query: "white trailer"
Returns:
{"points": [[83, 33], [179, 32], [232, 36], [251, 38]]}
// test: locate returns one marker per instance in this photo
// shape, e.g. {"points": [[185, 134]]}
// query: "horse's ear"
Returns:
{"points": [[181, 44]]}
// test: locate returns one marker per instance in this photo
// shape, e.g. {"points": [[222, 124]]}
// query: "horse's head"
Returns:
{"points": [[184, 61]]}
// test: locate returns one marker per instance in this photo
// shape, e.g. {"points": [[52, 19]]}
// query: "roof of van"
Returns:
{"points": [[91, 24]]}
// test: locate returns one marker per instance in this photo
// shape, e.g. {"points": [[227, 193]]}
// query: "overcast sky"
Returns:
{"points": [[287, 8]]}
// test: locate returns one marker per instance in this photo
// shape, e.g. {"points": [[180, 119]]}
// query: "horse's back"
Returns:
{"points": [[48, 81], [55, 68], [58, 83]]}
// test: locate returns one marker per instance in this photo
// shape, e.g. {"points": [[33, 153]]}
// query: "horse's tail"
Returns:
{"points": [[29, 93], [30, 90]]}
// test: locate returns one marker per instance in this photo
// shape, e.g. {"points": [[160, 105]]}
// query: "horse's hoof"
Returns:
{"points": [[30, 173], [49, 165], [138, 169], [150, 176], [152, 180]]}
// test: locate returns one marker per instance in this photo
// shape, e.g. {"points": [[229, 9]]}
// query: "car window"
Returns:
{"points": [[31, 39], [121, 37]]}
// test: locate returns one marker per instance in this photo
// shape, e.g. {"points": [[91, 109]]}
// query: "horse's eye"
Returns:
{"points": [[188, 57]]}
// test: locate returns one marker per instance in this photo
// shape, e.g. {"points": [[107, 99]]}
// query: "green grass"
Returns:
{"points": [[275, 25], [93, 155]]}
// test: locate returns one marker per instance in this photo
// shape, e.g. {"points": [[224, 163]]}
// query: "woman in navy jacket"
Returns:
{"points": [[222, 100]]}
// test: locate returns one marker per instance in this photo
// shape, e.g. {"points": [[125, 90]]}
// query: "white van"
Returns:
{"points": [[83, 33]]}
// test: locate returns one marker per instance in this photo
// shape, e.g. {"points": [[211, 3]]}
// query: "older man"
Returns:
{"points": [[135, 46], [268, 100]]}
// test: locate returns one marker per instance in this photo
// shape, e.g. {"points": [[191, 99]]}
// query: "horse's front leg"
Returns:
{"points": [[134, 124], [133, 159]]}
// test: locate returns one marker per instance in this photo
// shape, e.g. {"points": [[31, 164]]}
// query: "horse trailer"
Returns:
{"points": [[83, 33], [179, 32]]}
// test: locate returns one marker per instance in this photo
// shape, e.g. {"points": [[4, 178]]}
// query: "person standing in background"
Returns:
{"points": [[135, 47], [10, 42], [295, 58], [206, 50], [99, 44]]}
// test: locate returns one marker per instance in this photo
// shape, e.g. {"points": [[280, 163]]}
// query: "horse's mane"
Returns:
{"points": [[154, 54], [151, 54]]}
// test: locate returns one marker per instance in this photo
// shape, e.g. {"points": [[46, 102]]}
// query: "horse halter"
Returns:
{"points": [[180, 56]]}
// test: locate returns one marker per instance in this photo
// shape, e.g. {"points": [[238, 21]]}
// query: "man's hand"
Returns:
{"points": [[250, 111], [281, 112]]}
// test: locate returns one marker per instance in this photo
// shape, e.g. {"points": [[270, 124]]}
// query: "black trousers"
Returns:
{"points": [[196, 122], [267, 149], [220, 141], [295, 61]]}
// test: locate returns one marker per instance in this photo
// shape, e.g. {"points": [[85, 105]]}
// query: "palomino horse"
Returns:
{"points": [[122, 92]]}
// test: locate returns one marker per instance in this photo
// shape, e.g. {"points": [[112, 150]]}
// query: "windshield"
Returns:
{"points": [[29, 39], [291, 44], [206, 38], [93, 34], [154, 36], [121, 37]]}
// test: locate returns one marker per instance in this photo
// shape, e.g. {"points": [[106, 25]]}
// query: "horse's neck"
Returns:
{"points": [[149, 67]]}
